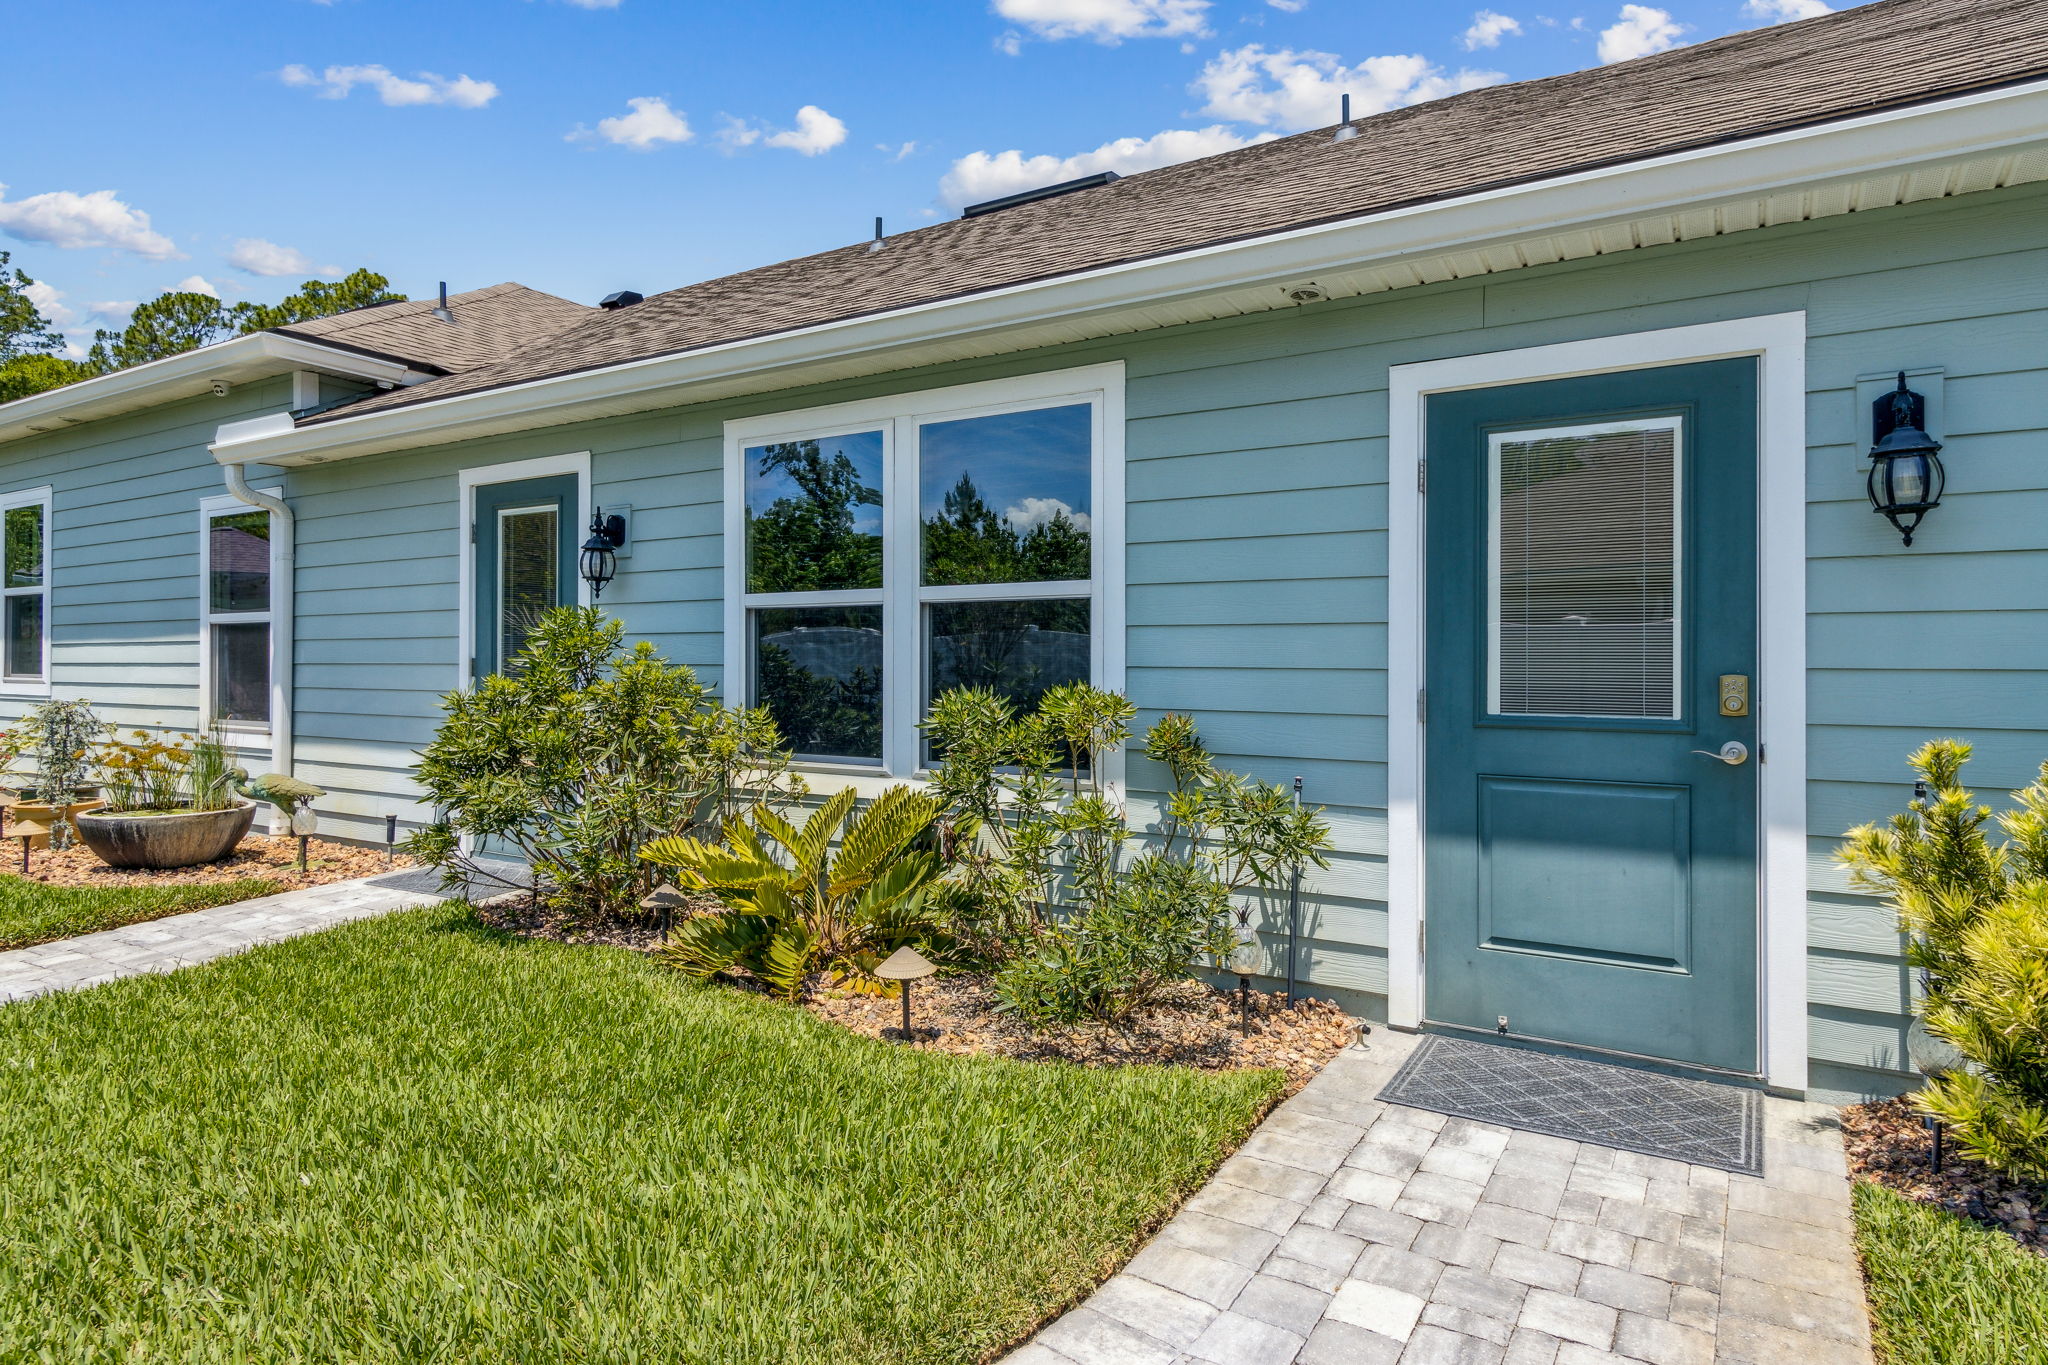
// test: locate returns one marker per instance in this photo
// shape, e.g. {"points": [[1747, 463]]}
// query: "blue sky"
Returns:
{"points": [[582, 146]]}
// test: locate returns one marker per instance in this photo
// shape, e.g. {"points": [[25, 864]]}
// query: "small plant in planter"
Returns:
{"points": [[57, 738], [169, 802]]}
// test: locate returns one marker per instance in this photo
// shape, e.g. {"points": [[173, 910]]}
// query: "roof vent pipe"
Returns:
{"points": [[1345, 132], [441, 309], [876, 245]]}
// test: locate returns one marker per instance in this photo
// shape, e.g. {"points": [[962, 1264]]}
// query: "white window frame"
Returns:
{"points": [[901, 596], [209, 508], [21, 685]]}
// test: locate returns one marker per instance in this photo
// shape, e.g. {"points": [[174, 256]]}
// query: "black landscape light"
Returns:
{"points": [[599, 562], [1905, 463]]}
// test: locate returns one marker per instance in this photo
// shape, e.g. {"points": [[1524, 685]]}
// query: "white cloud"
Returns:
{"points": [[1640, 31], [899, 152], [114, 312], [816, 131], [1106, 21], [1488, 28], [983, 175], [67, 219], [335, 82], [1294, 90], [1032, 513], [1289, 6], [259, 257], [650, 124], [1785, 11], [49, 301], [196, 284]]}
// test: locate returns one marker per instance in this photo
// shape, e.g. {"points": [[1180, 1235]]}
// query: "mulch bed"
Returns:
{"points": [[1194, 1025], [1887, 1145], [274, 858]]}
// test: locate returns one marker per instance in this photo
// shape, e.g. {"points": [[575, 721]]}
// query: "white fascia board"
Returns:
{"points": [[238, 359], [1889, 142]]}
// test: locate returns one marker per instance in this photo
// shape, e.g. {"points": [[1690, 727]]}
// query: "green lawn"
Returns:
{"points": [[1944, 1291], [33, 912], [415, 1139]]}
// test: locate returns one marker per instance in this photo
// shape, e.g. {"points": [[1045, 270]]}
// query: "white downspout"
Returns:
{"points": [[283, 610]]}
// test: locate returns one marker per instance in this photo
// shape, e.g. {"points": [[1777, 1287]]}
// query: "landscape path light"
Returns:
{"points": [[665, 898], [905, 965]]}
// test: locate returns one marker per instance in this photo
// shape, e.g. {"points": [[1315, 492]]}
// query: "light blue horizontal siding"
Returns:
{"points": [[125, 551]]}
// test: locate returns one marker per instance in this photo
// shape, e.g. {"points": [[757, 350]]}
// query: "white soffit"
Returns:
{"points": [[1917, 147]]}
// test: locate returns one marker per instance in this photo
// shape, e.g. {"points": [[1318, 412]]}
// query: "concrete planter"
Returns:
{"points": [[47, 816], [179, 839]]}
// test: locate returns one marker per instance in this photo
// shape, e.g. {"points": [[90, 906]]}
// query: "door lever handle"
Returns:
{"points": [[1734, 753]]}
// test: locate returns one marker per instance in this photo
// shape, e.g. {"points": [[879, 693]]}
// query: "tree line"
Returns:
{"points": [[172, 322]]}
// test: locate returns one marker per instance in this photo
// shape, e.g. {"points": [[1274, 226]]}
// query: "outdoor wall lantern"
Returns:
{"points": [[599, 562], [1905, 463]]}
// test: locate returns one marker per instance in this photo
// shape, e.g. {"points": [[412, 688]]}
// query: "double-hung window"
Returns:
{"points": [[25, 591], [887, 551], [236, 613]]}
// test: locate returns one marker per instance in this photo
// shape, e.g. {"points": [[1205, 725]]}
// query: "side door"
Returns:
{"points": [[523, 544]]}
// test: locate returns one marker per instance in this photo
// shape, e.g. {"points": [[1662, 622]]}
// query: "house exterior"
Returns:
{"points": [[1495, 466]]}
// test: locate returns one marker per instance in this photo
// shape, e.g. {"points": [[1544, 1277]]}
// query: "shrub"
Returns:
{"points": [[1976, 918], [1037, 832], [579, 756], [58, 737], [794, 906]]}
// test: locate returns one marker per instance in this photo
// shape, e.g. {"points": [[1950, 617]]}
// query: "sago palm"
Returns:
{"points": [[794, 904]]}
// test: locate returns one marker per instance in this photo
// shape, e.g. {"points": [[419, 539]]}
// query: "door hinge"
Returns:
{"points": [[1422, 706], [1422, 476], [1422, 938]]}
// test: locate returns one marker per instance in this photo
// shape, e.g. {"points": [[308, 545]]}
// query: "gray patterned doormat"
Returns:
{"points": [[1610, 1106]]}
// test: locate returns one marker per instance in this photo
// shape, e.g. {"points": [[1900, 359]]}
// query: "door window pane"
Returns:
{"points": [[241, 672], [25, 636], [24, 547], [1004, 499], [529, 567], [818, 670], [238, 561], [1015, 649], [814, 514], [1585, 571]]}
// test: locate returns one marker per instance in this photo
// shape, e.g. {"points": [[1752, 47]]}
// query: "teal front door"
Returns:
{"points": [[523, 543], [1590, 788]]}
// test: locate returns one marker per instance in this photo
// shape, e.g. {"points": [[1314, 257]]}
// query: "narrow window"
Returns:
{"points": [[25, 654], [238, 613]]}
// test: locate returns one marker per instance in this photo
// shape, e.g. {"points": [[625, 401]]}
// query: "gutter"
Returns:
{"points": [[283, 612], [1890, 142]]}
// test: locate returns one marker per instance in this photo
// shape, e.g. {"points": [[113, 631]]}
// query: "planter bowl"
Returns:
{"points": [[179, 839], [47, 815]]}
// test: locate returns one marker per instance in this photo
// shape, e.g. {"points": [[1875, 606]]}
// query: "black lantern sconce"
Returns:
{"points": [[599, 562], [1905, 463]]}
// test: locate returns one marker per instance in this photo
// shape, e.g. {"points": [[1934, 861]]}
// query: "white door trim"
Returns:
{"points": [[467, 481], [1779, 341]]}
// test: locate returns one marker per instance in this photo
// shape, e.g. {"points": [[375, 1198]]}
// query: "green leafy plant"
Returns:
{"points": [[581, 757], [794, 905], [57, 737], [1975, 914]]}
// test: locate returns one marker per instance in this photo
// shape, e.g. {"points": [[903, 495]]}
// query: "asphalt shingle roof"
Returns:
{"points": [[490, 325], [1854, 62]]}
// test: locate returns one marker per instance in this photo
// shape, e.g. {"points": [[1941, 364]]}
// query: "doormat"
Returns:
{"points": [[1610, 1106]]}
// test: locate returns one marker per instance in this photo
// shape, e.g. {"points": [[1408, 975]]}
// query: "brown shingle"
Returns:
{"points": [[1841, 65], [490, 324]]}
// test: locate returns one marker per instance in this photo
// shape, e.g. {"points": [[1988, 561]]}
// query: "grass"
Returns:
{"points": [[1945, 1291], [34, 912], [413, 1138]]}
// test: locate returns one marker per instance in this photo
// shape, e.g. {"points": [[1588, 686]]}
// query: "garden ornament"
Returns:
{"points": [[291, 796]]}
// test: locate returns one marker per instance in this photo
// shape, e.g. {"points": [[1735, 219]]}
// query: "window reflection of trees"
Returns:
{"points": [[810, 543]]}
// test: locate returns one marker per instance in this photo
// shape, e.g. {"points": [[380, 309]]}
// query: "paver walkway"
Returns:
{"points": [[1350, 1232], [161, 945]]}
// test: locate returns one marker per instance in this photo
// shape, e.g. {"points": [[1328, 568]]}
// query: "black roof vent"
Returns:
{"points": [[625, 298], [1086, 182]]}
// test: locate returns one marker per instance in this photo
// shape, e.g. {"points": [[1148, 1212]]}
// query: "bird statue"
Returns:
{"points": [[291, 796]]}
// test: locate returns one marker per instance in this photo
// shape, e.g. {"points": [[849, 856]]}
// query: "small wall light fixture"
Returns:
{"points": [[598, 561], [1905, 463]]}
